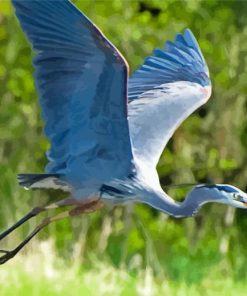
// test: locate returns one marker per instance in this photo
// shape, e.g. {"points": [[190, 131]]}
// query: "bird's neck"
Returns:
{"points": [[190, 206]]}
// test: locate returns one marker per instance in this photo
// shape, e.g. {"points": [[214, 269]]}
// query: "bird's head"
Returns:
{"points": [[228, 194]]}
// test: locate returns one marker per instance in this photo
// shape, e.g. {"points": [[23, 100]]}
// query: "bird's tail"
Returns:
{"points": [[42, 181]]}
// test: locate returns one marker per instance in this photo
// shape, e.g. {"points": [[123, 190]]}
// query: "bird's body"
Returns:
{"points": [[107, 130]]}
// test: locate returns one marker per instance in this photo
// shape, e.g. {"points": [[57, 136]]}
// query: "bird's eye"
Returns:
{"points": [[237, 197]]}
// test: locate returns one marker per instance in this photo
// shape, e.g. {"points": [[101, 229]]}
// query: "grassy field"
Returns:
{"points": [[40, 272]]}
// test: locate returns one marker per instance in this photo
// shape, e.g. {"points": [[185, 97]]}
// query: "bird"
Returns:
{"points": [[107, 129]]}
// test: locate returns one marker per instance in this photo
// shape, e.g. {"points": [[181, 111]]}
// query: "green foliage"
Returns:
{"points": [[50, 277], [210, 146]]}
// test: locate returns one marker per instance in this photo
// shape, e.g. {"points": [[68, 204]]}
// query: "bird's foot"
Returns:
{"points": [[6, 256]]}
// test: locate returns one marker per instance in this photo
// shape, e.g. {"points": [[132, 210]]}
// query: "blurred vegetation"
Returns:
{"points": [[50, 276], [210, 146]]}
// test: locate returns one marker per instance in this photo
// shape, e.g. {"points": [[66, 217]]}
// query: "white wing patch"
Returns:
{"points": [[157, 113], [52, 183]]}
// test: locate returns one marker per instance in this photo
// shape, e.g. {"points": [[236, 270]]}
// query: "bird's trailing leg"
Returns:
{"points": [[79, 209], [34, 212], [10, 254]]}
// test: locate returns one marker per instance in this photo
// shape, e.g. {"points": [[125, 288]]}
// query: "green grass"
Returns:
{"points": [[40, 272]]}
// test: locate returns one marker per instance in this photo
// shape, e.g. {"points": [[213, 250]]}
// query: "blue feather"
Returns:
{"points": [[81, 80], [180, 60]]}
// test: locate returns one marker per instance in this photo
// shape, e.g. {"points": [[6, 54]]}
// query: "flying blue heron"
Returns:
{"points": [[107, 130]]}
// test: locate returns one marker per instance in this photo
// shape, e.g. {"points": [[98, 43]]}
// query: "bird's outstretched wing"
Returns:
{"points": [[81, 79], [165, 90]]}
